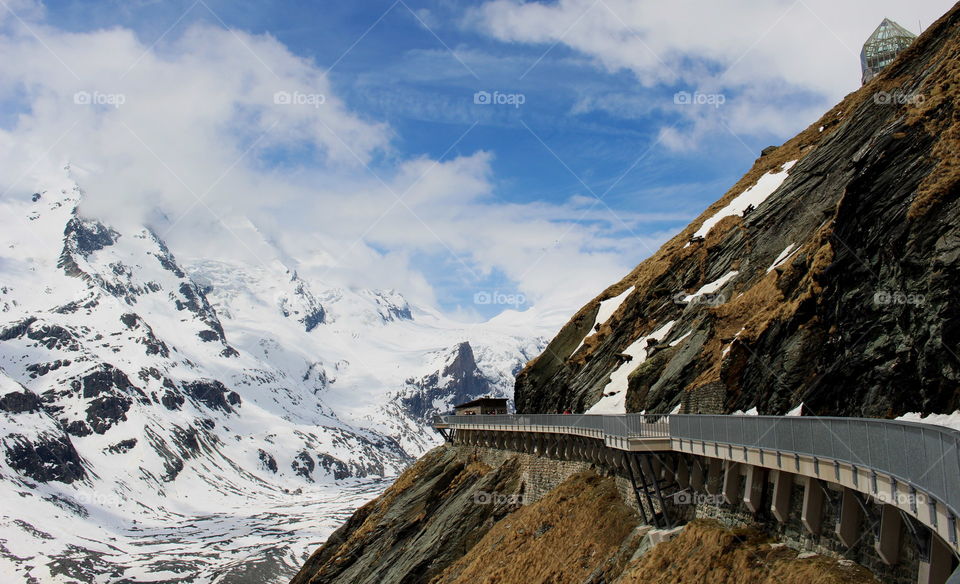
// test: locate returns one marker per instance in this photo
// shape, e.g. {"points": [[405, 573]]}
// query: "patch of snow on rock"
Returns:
{"points": [[712, 287], [783, 257], [607, 308], [755, 195], [614, 400]]}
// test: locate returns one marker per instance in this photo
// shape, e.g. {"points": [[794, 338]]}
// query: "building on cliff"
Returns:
{"points": [[889, 40], [482, 406]]}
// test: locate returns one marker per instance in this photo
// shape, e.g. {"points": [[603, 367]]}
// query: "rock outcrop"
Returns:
{"points": [[837, 290]]}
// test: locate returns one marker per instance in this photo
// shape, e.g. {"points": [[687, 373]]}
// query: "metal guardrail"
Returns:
{"points": [[620, 426], [919, 455]]}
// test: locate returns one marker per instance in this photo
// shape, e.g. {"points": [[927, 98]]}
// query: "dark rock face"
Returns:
{"points": [[334, 466], [858, 318], [106, 379], [303, 465], [172, 400], [267, 461], [41, 369], [432, 509], [88, 237], [123, 446], [82, 237], [17, 330], [153, 345], [193, 299], [49, 458], [466, 383], [18, 402], [107, 411], [210, 393]]}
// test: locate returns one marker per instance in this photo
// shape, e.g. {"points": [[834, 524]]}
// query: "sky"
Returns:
{"points": [[479, 156]]}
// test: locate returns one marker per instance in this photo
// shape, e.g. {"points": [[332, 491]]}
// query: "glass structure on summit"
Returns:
{"points": [[889, 40]]}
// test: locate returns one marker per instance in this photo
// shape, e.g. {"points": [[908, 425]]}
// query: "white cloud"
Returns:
{"points": [[761, 54], [188, 137]]}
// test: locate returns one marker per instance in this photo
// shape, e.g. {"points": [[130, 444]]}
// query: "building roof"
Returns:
{"points": [[482, 401], [883, 46]]}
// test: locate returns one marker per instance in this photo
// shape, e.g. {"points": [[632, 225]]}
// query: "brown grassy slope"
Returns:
{"points": [[707, 553], [562, 538]]}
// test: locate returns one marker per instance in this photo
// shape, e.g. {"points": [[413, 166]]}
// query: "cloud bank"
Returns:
{"points": [[223, 140], [774, 61]]}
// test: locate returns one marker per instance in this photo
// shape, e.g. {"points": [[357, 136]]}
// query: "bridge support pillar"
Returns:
{"points": [[697, 478], [669, 476], [682, 473], [936, 568], [731, 482], [848, 523], [551, 445], [656, 468], [714, 479], [782, 489], [887, 544], [811, 514], [753, 497]]}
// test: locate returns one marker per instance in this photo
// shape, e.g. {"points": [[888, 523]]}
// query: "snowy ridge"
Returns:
{"points": [[142, 395]]}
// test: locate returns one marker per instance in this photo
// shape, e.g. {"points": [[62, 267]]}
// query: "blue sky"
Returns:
{"points": [[598, 151]]}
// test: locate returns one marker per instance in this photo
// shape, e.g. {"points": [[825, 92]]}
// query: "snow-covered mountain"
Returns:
{"points": [[164, 420]]}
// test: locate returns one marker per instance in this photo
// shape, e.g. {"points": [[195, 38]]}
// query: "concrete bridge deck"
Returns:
{"points": [[911, 471]]}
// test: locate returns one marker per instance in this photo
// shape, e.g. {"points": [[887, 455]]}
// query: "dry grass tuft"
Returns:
{"points": [[709, 553], [562, 538]]}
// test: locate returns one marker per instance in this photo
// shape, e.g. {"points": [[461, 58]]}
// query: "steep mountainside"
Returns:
{"points": [[140, 392], [827, 275]]}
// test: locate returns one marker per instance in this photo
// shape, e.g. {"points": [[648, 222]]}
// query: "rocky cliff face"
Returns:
{"points": [[828, 275]]}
